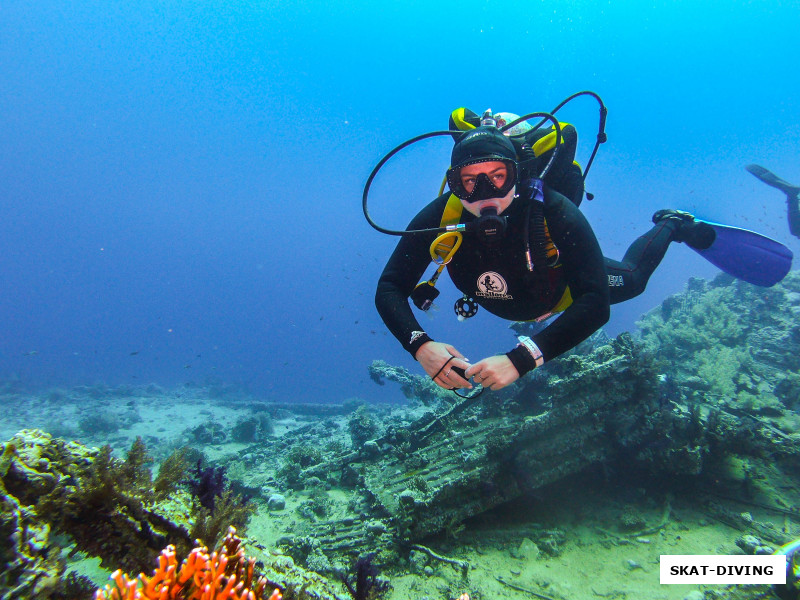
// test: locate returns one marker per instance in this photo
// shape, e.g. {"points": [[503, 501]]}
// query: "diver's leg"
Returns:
{"points": [[793, 204], [792, 194], [773, 180], [696, 234], [628, 278]]}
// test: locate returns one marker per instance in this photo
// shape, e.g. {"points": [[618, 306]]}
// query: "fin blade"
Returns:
{"points": [[748, 255]]}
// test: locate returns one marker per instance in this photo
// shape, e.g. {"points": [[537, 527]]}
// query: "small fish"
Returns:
{"points": [[134, 353], [31, 353]]}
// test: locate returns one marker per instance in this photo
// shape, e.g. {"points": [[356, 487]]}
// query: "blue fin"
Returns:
{"points": [[748, 255]]}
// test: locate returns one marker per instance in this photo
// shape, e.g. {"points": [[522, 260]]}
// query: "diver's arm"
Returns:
{"points": [[405, 268], [403, 271], [584, 269]]}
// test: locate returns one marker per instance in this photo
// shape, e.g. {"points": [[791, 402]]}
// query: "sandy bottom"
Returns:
{"points": [[601, 555]]}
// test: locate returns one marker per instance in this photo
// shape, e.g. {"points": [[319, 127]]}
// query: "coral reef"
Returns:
{"points": [[255, 428], [208, 433], [712, 376], [229, 509], [298, 457], [49, 484], [29, 569], [365, 584], [225, 574], [362, 426], [102, 503], [171, 474], [208, 484], [731, 344], [414, 387], [702, 404]]}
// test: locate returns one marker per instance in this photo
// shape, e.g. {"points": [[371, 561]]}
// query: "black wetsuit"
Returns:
{"points": [[497, 277]]}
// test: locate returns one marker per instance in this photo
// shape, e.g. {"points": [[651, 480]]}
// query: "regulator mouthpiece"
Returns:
{"points": [[489, 227]]}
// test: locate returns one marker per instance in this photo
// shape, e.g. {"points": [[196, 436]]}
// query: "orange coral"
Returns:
{"points": [[222, 575]]}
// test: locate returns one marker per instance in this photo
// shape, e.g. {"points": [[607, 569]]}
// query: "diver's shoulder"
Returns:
{"points": [[555, 201], [560, 212]]}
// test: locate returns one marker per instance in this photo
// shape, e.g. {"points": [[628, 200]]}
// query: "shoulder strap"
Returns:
{"points": [[452, 211], [535, 149]]}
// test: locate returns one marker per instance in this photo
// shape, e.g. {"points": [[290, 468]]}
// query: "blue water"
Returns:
{"points": [[180, 183]]}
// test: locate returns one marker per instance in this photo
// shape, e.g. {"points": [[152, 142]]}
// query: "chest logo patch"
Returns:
{"points": [[492, 285]]}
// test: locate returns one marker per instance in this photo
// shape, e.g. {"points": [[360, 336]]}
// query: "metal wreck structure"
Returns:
{"points": [[606, 408]]}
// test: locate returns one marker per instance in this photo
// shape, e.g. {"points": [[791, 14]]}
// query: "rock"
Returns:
{"points": [[694, 595], [748, 543], [406, 498], [276, 502], [371, 448], [550, 546], [375, 527], [527, 550], [631, 519]]}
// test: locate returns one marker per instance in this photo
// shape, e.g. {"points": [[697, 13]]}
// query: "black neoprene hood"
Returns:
{"points": [[480, 144]]}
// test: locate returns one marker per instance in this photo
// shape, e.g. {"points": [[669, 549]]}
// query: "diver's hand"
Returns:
{"points": [[433, 356], [495, 372]]}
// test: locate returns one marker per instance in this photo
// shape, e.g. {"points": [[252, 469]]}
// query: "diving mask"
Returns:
{"points": [[482, 186]]}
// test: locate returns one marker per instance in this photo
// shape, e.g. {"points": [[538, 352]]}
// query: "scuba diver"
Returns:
{"points": [[792, 195], [516, 243]]}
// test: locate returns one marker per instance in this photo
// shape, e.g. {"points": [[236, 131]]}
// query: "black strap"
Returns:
{"points": [[443, 366]]}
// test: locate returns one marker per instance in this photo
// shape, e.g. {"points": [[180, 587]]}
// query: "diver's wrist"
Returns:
{"points": [[532, 349], [417, 340], [523, 362]]}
